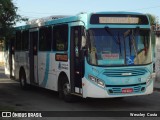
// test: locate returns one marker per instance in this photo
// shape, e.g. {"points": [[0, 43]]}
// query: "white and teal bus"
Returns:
{"points": [[92, 55]]}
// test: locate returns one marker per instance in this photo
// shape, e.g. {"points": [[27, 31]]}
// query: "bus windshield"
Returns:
{"points": [[112, 47]]}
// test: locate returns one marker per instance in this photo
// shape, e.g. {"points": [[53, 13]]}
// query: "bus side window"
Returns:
{"points": [[25, 40], [45, 38], [60, 38], [18, 40]]}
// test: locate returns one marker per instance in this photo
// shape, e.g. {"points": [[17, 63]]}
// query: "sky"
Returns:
{"points": [[34, 9]]}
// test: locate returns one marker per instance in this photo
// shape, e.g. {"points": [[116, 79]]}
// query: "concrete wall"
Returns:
{"points": [[157, 63], [1, 56]]}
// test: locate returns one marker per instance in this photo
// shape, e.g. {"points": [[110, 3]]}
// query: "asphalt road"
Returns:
{"points": [[12, 98]]}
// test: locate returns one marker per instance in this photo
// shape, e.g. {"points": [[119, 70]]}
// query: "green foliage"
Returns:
{"points": [[8, 17], [152, 19]]}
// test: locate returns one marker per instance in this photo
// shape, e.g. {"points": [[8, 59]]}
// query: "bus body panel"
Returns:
{"points": [[49, 70], [21, 61]]}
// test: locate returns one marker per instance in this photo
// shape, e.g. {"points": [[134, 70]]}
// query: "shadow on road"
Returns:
{"points": [[132, 103]]}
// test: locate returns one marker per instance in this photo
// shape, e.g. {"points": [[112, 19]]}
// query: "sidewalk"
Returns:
{"points": [[4, 78], [157, 85], [2, 75]]}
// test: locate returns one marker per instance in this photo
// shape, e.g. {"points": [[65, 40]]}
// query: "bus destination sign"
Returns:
{"points": [[122, 20], [119, 19]]}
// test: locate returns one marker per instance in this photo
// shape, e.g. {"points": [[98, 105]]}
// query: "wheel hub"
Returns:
{"points": [[66, 88]]}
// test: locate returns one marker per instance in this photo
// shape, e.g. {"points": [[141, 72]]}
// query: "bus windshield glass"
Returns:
{"points": [[112, 47]]}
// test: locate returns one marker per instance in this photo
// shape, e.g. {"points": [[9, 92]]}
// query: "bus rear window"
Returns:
{"points": [[119, 19]]}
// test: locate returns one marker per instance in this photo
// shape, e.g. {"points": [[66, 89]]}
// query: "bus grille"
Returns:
{"points": [[118, 90], [125, 72]]}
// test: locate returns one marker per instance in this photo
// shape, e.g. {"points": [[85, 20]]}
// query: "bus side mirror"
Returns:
{"points": [[83, 42]]}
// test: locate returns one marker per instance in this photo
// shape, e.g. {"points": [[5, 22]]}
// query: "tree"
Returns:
{"points": [[153, 22], [8, 17], [152, 19]]}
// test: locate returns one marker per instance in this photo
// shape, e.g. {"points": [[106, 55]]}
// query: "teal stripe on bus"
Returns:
{"points": [[46, 70]]}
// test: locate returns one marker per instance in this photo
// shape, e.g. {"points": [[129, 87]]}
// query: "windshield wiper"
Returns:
{"points": [[134, 46], [132, 41], [128, 32], [117, 41]]}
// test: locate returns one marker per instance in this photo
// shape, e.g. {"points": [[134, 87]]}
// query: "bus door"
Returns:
{"points": [[76, 67], [33, 61]]}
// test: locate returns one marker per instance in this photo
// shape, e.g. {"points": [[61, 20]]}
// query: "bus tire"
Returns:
{"points": [[22, 79], [66, 92]]}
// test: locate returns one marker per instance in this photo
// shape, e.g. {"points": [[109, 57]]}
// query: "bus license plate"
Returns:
{"points": [[127, 90]]}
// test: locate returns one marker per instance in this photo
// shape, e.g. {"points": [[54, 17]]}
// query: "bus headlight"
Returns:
{"points": [[100, 83], [97, 81], [92, 78]]}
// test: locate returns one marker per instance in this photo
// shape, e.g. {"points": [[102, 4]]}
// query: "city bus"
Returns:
{"points": [[90, 55]]}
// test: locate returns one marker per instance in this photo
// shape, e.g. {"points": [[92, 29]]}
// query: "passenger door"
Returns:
{"points": [[76, 67], [33, 56]]}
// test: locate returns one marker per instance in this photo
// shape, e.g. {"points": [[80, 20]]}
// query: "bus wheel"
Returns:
{"points": [[22, 78], [66, 92]]}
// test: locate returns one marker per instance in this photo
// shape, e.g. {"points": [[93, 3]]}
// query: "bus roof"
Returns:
{"points": [[58, 19]]}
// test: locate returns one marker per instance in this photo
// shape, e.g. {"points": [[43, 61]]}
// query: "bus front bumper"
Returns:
{"points": [[91, 90]]}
